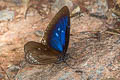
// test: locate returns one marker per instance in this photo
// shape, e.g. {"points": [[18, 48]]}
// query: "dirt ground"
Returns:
{"points": [[96, 53]]}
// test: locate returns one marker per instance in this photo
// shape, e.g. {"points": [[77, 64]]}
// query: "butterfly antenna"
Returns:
{"points": [[68, 65]]}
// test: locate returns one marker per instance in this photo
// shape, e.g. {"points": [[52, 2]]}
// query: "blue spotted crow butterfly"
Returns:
{"points": [[54, 44]]}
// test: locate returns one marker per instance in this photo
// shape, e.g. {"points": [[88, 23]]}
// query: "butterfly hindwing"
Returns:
{"points": [[37, 53]]}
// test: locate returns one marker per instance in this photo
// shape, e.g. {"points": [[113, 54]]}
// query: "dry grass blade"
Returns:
{"points": [[113, 31], [37, 5], [5, 72]]}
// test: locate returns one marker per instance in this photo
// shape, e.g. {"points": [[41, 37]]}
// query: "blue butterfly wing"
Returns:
{"points": [[57, 33]]}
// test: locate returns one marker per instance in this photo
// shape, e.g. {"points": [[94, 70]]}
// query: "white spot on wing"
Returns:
{"points": [[62, 31], [57, 35], [39, 48], [58, 29], [31, 59]]}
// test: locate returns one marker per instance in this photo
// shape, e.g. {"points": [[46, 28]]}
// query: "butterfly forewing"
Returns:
{"points": [[57, 32]]}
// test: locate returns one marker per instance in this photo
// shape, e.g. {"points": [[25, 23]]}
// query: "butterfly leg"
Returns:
{"points": [[51, 67], [77, 71], [71, 57], [68, 65]]}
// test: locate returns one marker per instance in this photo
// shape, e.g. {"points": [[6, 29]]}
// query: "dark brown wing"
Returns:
{"points": [[37, 53]]}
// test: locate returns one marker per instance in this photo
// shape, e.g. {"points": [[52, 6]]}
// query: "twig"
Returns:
{"points": [[5, 72]]}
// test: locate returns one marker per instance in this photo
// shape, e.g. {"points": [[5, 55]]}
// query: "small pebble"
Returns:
{"points": [[6, 15], [1, 76]]}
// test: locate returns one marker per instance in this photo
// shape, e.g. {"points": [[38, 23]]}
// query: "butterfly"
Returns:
{"points": [[54, 44]]}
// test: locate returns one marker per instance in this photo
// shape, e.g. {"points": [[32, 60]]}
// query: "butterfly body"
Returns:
{"points": [[54, 44]]}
